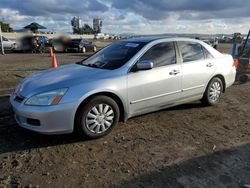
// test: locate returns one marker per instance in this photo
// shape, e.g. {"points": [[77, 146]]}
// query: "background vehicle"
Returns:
{"points": [[125, 79], [212, 42], [8, 44], [33, 44], [208, 42], [99, 36], [79, 45]]}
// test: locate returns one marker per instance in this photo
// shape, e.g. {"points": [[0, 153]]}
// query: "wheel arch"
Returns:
{"points": [[116, 98]]}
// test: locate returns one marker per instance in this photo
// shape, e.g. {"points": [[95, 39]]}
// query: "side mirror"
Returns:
{"points": [[144, 65]]}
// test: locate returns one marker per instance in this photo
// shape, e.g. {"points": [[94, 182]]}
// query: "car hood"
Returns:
{"points": [[64, 76], [9, 42]]}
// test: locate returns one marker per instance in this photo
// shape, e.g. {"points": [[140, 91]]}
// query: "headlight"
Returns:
{"points": [[47, 98]]}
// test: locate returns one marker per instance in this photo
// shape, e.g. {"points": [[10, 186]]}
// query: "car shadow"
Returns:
{"points": [[15, 138], [196, 104], [225, 168]]}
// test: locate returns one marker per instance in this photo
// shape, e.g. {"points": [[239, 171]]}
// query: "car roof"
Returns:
{"points": [[144, 39], [155, 38]]}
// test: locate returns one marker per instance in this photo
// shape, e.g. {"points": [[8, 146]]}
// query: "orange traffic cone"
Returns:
{"points": [[50, 51], [54, 62]]}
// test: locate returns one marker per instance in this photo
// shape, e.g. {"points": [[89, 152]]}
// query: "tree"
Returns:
{"points": [[86, 29], [75, 22], [5, 27]]}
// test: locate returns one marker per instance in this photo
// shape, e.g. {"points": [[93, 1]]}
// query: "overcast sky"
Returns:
{"points": [[133, 16]]}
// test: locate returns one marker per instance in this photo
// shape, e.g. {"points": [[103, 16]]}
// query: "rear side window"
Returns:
{"points": [[161, 54], [191, 51], [207, 54]]}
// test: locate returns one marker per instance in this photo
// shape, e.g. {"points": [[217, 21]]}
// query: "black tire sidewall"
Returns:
{"points": [[206, 95], [81, 119]]}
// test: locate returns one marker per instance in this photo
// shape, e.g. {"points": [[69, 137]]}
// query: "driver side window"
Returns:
{"points": [[5, 39], [161, 54]]}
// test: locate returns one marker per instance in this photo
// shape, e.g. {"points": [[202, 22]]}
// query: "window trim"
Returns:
{"points": [[181, 57], [177, 56], [205, 55], [5, 39]]}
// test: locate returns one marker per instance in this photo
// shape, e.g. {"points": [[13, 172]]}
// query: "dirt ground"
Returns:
{"points": [[186, 146]]}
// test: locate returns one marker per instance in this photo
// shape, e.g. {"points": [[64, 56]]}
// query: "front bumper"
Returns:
{"points": [[57, 119]]}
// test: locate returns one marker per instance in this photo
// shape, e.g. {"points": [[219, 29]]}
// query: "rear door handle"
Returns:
{"points": [[210, 64], [174, 72]]}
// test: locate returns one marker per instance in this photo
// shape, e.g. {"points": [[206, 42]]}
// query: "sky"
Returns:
{"points": [[133, 16]]}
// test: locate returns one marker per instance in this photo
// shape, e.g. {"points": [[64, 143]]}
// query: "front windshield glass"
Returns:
{"points": [[76, 40], [113, 56]]}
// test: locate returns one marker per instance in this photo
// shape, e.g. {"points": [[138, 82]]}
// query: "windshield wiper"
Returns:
{"points": [[93, 65], [88, 65]]}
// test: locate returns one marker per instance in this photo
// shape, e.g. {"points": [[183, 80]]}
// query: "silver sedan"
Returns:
{"points": [[125, 79]]}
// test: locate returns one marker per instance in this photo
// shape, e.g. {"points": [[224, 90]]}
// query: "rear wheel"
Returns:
{"points": [[97, 117], [83, 50], [213, 92]]}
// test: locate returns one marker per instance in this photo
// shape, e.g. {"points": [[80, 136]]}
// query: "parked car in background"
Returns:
{"points": [[33, 44], [125, 79], [99, 36], [208, 42], [79, 45], [8, 44], [212, 42]]}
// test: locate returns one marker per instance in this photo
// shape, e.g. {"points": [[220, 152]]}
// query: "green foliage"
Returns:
{"points": [[86, 29], [6, 27]]}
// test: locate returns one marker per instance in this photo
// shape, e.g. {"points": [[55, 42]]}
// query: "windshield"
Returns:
{"points": [[76, 40], [113, 56]]}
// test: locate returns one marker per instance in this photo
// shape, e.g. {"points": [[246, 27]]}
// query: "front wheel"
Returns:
{"points": [[213, 92], [97, 117]]}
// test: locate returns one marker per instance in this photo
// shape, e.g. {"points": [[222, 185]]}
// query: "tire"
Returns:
{"points": [[83, 50], [213, 92], [58, 48], [91, 123]]}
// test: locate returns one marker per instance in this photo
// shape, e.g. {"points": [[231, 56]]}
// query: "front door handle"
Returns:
{"points": [[174, 72], [210, 64]]}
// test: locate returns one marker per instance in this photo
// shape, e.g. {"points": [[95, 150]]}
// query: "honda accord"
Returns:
{"points": [[125, 79]]}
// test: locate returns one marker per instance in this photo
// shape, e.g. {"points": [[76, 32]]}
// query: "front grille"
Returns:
{"points": [[19, 98]]}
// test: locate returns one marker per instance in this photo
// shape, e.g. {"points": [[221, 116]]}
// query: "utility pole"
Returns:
{"points": [[1, 39]]}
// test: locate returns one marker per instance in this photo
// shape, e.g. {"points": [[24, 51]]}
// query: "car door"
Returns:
{"points": [[6, 43], [158, 87], [197, 68], [87, 45]]}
